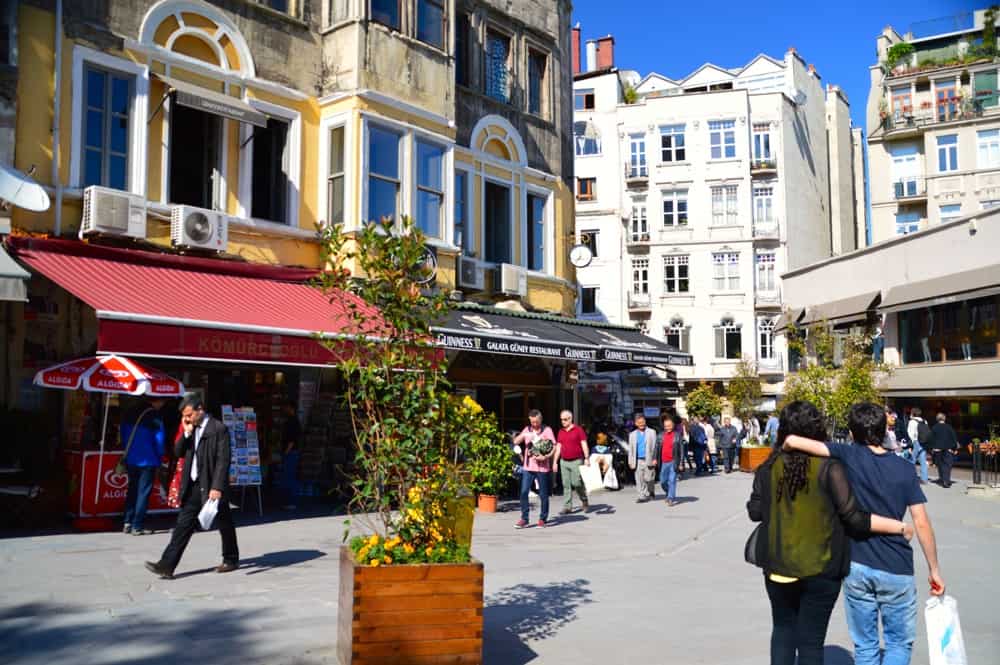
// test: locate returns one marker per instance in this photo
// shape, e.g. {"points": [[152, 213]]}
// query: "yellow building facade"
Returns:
{"points": [[267, 123]]}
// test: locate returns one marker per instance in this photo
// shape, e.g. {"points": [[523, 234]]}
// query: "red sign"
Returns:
{"points": [[167, 340], [113, 487]]}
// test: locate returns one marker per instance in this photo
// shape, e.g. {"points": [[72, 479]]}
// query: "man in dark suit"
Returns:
{"points": [[205, 448]]}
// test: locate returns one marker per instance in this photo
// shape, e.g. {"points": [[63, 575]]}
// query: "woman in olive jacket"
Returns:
{"points": [[807, 507]]}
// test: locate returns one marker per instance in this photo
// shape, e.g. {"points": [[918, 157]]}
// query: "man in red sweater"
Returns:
{"points": [[668, 472], [571, 453]]}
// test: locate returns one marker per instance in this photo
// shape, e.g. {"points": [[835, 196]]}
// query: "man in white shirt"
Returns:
{"points": [[916, 429]]}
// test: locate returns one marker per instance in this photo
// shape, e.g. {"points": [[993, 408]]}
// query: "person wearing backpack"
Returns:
{"points": [[920, 438]]}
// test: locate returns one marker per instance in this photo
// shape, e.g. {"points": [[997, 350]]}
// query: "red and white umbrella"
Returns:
{"points": [[109, 374]]}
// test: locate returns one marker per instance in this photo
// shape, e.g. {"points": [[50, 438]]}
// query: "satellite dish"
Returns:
{"points": [[198, 227], [19, 190]]}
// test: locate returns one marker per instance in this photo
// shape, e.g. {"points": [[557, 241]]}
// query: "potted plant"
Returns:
{"points": [[408, 584], [753, 453], [489, 455]]}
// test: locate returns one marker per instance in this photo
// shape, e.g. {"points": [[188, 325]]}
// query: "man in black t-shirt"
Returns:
{"points": [[881, 581], [943, 445]]}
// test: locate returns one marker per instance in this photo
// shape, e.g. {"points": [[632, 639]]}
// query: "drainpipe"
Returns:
{"points": [[56, 104]]}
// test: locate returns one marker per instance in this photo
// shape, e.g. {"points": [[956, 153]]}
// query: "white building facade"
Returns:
{"points": [[699, 195]]}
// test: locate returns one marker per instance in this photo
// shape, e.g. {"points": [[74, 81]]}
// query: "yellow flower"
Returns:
{"points": [[429, 550], [392, 542], [375, 563], [408, 548], [387, 559], [373, 540], [363, 552]]}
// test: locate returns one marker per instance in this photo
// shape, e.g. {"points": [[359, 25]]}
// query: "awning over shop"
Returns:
{"points": [[789, 318], [958, 379], [12, 279], [163, 305], [977, 283], [202, 99], [492, 330], [847, 310]]}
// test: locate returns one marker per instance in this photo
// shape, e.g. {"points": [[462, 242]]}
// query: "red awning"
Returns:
{"points": [[151, 304]]}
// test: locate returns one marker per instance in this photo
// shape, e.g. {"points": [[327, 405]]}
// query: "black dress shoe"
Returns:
{"points": [[159, 570], [227, 567]]}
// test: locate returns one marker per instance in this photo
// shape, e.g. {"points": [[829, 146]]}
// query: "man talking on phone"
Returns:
{"points": [[205, 449]]}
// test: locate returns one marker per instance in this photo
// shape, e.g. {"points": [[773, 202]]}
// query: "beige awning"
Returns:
{"points": [[855, 308], [202, 99], [972, 378], [976, 283], [789, 318]]}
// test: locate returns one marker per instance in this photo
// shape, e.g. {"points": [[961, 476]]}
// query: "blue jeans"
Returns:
{"points": [[700, 452], [140, 484], [543, 492], [290, 476], [869, 593], [668, 479], [920, 456]]}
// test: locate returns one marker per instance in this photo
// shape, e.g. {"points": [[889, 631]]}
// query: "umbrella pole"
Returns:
{"points": [[100, 460]]}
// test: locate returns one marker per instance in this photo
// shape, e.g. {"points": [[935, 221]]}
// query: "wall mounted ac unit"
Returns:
{"points": [[113, 212], [197, 228], [513, 280], [471, 275]]}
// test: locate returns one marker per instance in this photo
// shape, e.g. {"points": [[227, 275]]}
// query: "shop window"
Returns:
{"points": [[430, 188], [386, 12], [588, 300], [271, 161], [498, 67], [195, 175], [107, 121], [335, 178], [537, 64], [431, 22], [728, 340], [964, 330], [462, 58], [536, 232], [497, 232], [383, 174]]}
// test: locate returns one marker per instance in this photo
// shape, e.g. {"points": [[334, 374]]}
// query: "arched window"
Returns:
{"points": [[765, 338], [586, 139], [677, 335], [728, 339]]}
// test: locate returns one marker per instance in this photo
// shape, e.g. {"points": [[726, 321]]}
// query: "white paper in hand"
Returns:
{"points": [[208, 513], [944, 632]]}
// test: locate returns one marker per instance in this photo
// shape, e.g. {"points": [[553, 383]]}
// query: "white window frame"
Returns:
{"points": [[726, 326], [640, 275], [674, 130], [548, 246], [444, 229], [327, 125], [763, 196], [638, 222], [597, 295], [988, 139], [730, 272], [725, 205], [765, 270], [908, 226], [722, 135], [638, 166], [683, 332], [676, 196], [948, 152], [592, 239], [138, 116], [294, 120], [512, 230], [945, 218], [760, 130], [989, 204], [469, 233], [675, 261], [765, 326]]}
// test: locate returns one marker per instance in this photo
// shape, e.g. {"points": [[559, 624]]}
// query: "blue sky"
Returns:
{"points": [[675, 38]]}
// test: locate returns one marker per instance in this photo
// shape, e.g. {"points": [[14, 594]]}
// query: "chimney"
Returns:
{"points": [[576, 49], [591, 55], [606, 52]]}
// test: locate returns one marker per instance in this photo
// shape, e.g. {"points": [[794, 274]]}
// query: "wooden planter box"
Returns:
{"points": [[419, 614], [751, 458]]}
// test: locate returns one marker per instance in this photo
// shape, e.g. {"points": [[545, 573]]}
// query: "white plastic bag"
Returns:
{"points": [[611, 479], [944, 632], [208, 513], [591, 476]]}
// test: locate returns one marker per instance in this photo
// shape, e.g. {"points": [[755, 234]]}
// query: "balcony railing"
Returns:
{"points": [[909, 188], [639, 301], [908, 121], [636, 174], [637, 239], [770, 365], [765, 229], [767, 298], [763, 166]]}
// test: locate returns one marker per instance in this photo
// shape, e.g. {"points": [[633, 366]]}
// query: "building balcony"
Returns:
{"points": [[907, 123], [636, 176], [773, 365], [637, 242], [767, 299], [767, 229], [763, 168], [639, 302], [909, 190]]}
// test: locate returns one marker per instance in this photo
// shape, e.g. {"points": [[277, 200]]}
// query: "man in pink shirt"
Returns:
{"points": [[537, 467]]}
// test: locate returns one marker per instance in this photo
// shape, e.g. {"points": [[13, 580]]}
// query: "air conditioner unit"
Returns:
{"points": [[471, 275], [513, 280], [113, 212], [197, 228]]}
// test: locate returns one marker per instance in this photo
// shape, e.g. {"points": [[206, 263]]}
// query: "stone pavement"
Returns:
{"points": [[625, 584]]}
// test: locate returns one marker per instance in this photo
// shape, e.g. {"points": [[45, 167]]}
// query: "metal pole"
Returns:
{"points": [[100, 459], [977, 464]]}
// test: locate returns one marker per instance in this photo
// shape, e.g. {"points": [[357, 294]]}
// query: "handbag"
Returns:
{"points": [[750, 549], [122, 467]]}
